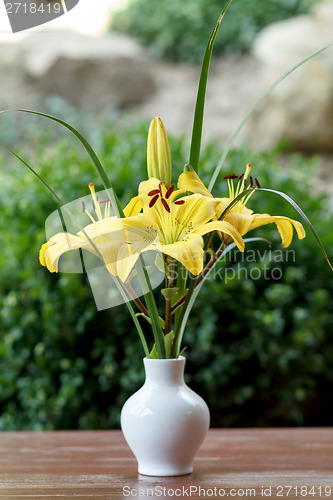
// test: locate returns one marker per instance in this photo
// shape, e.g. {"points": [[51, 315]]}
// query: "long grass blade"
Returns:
{"points": [[254, 107], [100, 170], [200, 103], [235, 201], [304, 217]]}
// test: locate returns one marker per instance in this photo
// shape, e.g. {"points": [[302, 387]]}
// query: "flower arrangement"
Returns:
{"points": [[176, 218], [175, 230], [188, 227]]}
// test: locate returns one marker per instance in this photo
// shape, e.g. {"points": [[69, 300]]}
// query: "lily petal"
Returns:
{"points": [[134, 207], [51, 252], [223, 227], [240, 221], [128, 256], [284, 224], [188, 252], [190, 181]]}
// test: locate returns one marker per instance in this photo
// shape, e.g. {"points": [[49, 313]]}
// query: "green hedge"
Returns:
{"points": [[258, 350], [179, 30]]}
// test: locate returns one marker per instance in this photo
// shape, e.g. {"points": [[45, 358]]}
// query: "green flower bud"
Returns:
{"points": [[158, 152]]}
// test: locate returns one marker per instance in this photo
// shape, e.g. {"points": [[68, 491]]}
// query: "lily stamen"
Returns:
{"points": [[165, 205], [169, 191], [153, 192], [97, 208], [153, 201], [160, 188], [230, 176]]}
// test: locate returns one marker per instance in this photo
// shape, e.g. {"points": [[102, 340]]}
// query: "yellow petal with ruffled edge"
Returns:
{"points": [[51, 252], [284, 225]]}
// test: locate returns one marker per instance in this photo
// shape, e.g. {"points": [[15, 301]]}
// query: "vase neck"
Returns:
{"points": [[165, 371]]}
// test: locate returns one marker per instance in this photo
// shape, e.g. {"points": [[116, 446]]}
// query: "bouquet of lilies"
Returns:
{"points": [[186, 226], [179, 221]]}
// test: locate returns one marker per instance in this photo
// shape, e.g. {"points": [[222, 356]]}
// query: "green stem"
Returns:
{"points": [[152, 309], [181, 285], [169, 278]]}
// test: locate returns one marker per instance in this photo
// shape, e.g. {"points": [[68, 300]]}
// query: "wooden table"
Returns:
{"points": [[256, 463]]}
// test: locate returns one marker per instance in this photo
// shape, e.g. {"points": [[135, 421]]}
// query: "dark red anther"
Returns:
{"points": [[251, 181], [104, 201], [153, 192], [240, 177], [153, 201], [245, 181], [257, 182], [84, 206], [179, 202], [230, 176], [165, 205], [169, 191]]}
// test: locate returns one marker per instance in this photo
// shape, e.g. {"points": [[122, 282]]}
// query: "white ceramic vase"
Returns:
{"points": [[165, 422]]}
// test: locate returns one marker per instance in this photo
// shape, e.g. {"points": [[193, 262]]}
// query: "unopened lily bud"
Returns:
{"points": [[158, 152]]}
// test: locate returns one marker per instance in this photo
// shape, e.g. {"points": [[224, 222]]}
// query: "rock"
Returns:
{"points": [[86, 71], [97, 83], [300, 109]]}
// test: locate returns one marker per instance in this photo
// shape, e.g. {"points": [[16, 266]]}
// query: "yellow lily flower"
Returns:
{"points": [[99, 233], [241, 217], [172, 225], [167, 224]]}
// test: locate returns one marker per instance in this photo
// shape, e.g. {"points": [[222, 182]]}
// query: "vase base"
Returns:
{"points": [[165, 473]]}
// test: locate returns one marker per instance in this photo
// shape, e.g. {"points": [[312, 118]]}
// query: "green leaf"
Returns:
{"points": [[304, 217], [200, 103], [168, 342], [153, 353], [179, 295], [168, 293]]}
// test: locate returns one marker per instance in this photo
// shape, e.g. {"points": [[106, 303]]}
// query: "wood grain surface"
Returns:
{"points": [[236, 463]]}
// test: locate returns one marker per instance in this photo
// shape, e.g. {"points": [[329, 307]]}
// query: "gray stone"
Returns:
{"points": [[86, 71], [97, 83], [300, 109]]}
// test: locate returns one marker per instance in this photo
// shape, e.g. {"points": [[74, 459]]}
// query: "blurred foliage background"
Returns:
{"points": [[258, 350], [178, 30]]}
